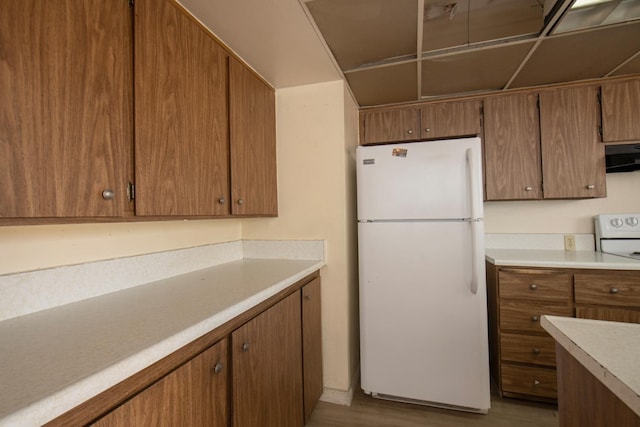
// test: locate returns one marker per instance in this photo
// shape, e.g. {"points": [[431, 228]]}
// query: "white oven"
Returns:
{"points": [[618, 234]]}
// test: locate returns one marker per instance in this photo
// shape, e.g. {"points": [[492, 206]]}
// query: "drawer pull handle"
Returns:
{"points": [[218, 368], [535, 350], [534, 318], [614, 291], [536, 382], [533, 286], [528, 188]]}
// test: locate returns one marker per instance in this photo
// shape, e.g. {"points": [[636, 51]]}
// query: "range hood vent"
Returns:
{"points": [[622, 158]]}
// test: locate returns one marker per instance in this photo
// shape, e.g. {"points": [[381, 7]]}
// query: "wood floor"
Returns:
{"points": [[366, 411]]}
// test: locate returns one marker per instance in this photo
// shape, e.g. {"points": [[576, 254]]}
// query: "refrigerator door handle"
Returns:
{"points": [[474, 195]]}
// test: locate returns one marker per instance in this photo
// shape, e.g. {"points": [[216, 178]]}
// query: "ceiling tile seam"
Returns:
{"points": [[561, 10], [629, 59]]}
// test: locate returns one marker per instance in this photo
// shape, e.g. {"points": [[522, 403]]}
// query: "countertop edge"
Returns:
{"points": [[58, 403], [604, 375]]}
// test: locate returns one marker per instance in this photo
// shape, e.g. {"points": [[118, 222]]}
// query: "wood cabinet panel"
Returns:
{"points": [[389, 125], [512, 147], [607, 289], [620, 107], [195, 394], [253, 143], [528, 380], [608, 313], [311, 346], [65, 115], [525, 315], [451, 119], [573, 162], [534, 349], [181, 143], [535, 285], [267, 368]]}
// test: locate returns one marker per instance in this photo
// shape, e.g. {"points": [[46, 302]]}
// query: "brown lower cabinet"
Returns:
{"points": [[262, 368], [522, 354]]}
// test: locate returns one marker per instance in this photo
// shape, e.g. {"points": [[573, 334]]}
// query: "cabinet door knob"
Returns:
{"points": [[528, 188], [108, 194], [535, 350], [218, 368], [307, 298], [534, 318], [590, 187], [614, 291], [221, 200], [427, 129], [536, 382], [245, 346], [410, 131], [240, 201], [533, 286]]}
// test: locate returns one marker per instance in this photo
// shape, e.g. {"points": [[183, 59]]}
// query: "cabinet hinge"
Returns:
{"points": [[131, 3], [600, 132], [131, 191]]}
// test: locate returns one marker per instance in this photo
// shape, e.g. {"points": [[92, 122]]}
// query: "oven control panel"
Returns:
{"points": [[617, 226]]}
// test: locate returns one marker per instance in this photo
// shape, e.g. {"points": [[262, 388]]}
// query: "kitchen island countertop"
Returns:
{"points": [[559, 259], [609, 350], [53, 360]]}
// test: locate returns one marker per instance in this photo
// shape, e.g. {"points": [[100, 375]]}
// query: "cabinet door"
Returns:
{"points": [[451, 119], [267, 368], [389, 126], [573, 164], [254, 180], [311, 346], [512, 147], [65, 108], [193, 395], [181, 144], [620, 107]]}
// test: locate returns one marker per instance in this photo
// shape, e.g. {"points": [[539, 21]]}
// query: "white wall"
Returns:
{"points": [[316, 195], [564, 216], [26, 248]]}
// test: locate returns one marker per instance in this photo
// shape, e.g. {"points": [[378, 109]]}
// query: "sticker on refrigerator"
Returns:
{"points": [[399, 152], [369, 161]]}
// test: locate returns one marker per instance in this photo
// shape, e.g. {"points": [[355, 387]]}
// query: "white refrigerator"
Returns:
{"points": [[423, 309]]}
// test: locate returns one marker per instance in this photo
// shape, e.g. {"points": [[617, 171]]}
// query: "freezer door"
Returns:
{"points": [[420, 180], [423, 330]]}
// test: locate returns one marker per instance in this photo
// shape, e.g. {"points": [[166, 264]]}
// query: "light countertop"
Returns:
{"points": [[609, 350], [53, 360], [560, 259]]}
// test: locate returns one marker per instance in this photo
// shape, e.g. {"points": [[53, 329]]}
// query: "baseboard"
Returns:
{"points": [[341, 397]]}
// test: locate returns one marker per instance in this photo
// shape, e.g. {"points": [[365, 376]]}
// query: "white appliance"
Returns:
{"points": [[618, 234], [423, 309]]}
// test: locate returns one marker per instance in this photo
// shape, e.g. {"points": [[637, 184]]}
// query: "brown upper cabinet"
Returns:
{"points": [[573, 163], [253, 144], [204, 124], [394, 125], [620, 110], [181, 116], [512, 147], [65, 109], [451, 119]]}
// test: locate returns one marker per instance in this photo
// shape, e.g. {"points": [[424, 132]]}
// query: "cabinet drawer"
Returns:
{"points": [[539, 350], [531, 380], [608, 289], [606, 313], [547, 285], [525, 315]]}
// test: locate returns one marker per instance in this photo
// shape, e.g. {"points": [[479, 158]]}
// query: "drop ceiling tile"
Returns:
{"points": [[578, 56], [480, 70], [449, 24], [362, 32], [385, 85]]}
